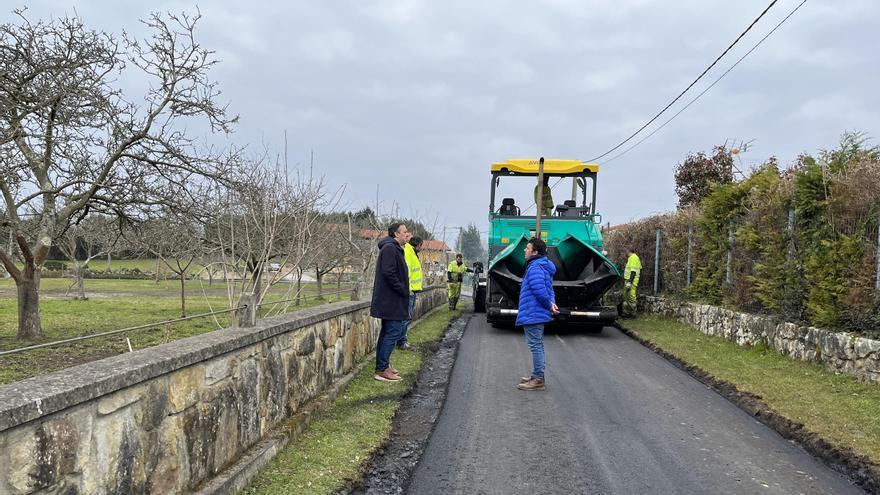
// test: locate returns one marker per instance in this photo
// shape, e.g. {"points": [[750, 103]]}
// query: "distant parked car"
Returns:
{"points": [[274, 267]]}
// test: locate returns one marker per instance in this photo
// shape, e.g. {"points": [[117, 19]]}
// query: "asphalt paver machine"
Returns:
{"points": [[572, 231]]}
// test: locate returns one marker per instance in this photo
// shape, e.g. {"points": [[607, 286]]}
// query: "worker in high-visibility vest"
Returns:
{"points": [[630, 282], [547, 199], [411, 255], [454, 276]]}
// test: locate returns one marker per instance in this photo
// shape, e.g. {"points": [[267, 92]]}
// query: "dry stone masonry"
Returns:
{"points": [[839, 351], [167, 419]]}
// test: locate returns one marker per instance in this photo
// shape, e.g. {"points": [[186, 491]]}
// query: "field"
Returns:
{"points": [[115, 304]]}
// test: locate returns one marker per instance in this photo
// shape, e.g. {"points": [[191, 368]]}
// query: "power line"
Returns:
{"points": [[615, 157], [772, 3]]}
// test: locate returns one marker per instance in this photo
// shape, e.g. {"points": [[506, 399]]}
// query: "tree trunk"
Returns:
{"points": [[29, 326], [299, 286], [339, 287], [78, 278], [108, 263], [319, 278], [182, 296], [157, 270], [258, 278]]}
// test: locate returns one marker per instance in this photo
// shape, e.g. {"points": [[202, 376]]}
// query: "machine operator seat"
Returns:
{"points": [[509, 208], [569, 208]]}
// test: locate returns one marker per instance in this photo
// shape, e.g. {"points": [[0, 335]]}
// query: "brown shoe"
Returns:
{"points": [[393, 371], [524, 379], [532, 384], [386, 376]]}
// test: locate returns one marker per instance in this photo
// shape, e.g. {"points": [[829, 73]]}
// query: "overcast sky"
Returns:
{"points": [[421, 96]]}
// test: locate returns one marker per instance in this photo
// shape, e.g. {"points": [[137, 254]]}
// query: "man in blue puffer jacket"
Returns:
{"points": [[537, 305]]}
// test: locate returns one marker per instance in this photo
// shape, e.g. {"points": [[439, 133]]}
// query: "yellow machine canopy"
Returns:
{"points": [[528, 166]]}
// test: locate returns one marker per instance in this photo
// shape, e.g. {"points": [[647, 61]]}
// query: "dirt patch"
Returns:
{"points": [[392, 466], [858, 468]]}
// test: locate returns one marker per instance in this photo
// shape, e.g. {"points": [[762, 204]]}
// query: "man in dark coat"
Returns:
{"points": [[390, 298]]}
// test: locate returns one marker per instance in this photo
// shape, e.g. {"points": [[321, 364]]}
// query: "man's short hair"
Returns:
{"points": [[393, 228], [538, 245], [459, 255], [415, 241]]}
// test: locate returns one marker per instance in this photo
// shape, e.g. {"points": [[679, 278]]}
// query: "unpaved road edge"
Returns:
{"points": [[393, 465]]}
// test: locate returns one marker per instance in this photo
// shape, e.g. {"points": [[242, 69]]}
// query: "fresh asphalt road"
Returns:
{"points": [[615, 418]]}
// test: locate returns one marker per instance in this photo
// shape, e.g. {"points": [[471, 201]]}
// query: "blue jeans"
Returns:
{"points": [[535, 341], [402, 341], [390, 333]]}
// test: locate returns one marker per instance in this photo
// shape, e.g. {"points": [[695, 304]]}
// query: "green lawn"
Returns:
{"points": [[837, 407], [334, 448], [115, 304], [142, 264]]}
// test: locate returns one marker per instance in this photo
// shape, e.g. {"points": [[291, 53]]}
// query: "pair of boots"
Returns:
{"points": [[529, 383], [453, 301]]}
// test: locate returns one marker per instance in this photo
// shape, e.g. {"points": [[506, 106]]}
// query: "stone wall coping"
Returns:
{"points": [[32, 398]]}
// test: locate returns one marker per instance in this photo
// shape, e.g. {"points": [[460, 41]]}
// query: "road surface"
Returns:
{"points": [[615, 418]]}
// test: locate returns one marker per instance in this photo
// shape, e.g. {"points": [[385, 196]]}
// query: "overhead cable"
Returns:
{"points": [[615, 157], [655, 117]]}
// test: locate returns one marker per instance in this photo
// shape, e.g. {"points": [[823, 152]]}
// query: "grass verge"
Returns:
{"points": [[838, 408], [331, 453]]}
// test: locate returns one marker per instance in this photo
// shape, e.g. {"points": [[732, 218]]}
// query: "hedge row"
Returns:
{"points": [[801, 243]]}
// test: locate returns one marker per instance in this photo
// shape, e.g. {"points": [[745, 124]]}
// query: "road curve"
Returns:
{"points": [[615, 418]]}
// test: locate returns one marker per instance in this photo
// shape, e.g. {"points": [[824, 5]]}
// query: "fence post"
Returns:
{"points": [[877, 279], [247, 316], [729, 277], [690, 252], [657, 262]]}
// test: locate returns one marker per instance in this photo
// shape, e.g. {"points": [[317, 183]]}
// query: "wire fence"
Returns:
{"points": [[781, 268], [166, 324]]}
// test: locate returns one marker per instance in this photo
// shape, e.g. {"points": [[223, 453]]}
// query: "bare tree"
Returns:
{"points": [[175, 240], [271, 217], [363, 252], [85, 241], [71, 141], [330, 253]]}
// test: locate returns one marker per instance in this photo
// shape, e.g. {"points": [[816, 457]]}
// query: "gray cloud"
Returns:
{"points": [[421, 96]]}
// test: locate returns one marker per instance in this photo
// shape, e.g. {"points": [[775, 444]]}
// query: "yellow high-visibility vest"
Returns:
{"points": [[415, 267], [547, 199], [633, 264], [457, 271]]}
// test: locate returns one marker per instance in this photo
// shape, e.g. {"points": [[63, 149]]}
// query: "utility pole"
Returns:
{"points": [[540, 199], [445, 251], [459, 247]]}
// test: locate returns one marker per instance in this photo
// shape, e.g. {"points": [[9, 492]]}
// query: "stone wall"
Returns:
{"points": [[166, 419], [839, 351]]}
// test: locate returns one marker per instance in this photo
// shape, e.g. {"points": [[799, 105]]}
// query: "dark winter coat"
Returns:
{"points": [[391, 287], [536, 295]]}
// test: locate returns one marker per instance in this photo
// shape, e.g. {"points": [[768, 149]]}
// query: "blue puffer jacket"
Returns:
{"points": [[536, 295]]}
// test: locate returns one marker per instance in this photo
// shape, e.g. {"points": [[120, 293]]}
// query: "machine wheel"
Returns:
{"points": [[480, 301]]}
